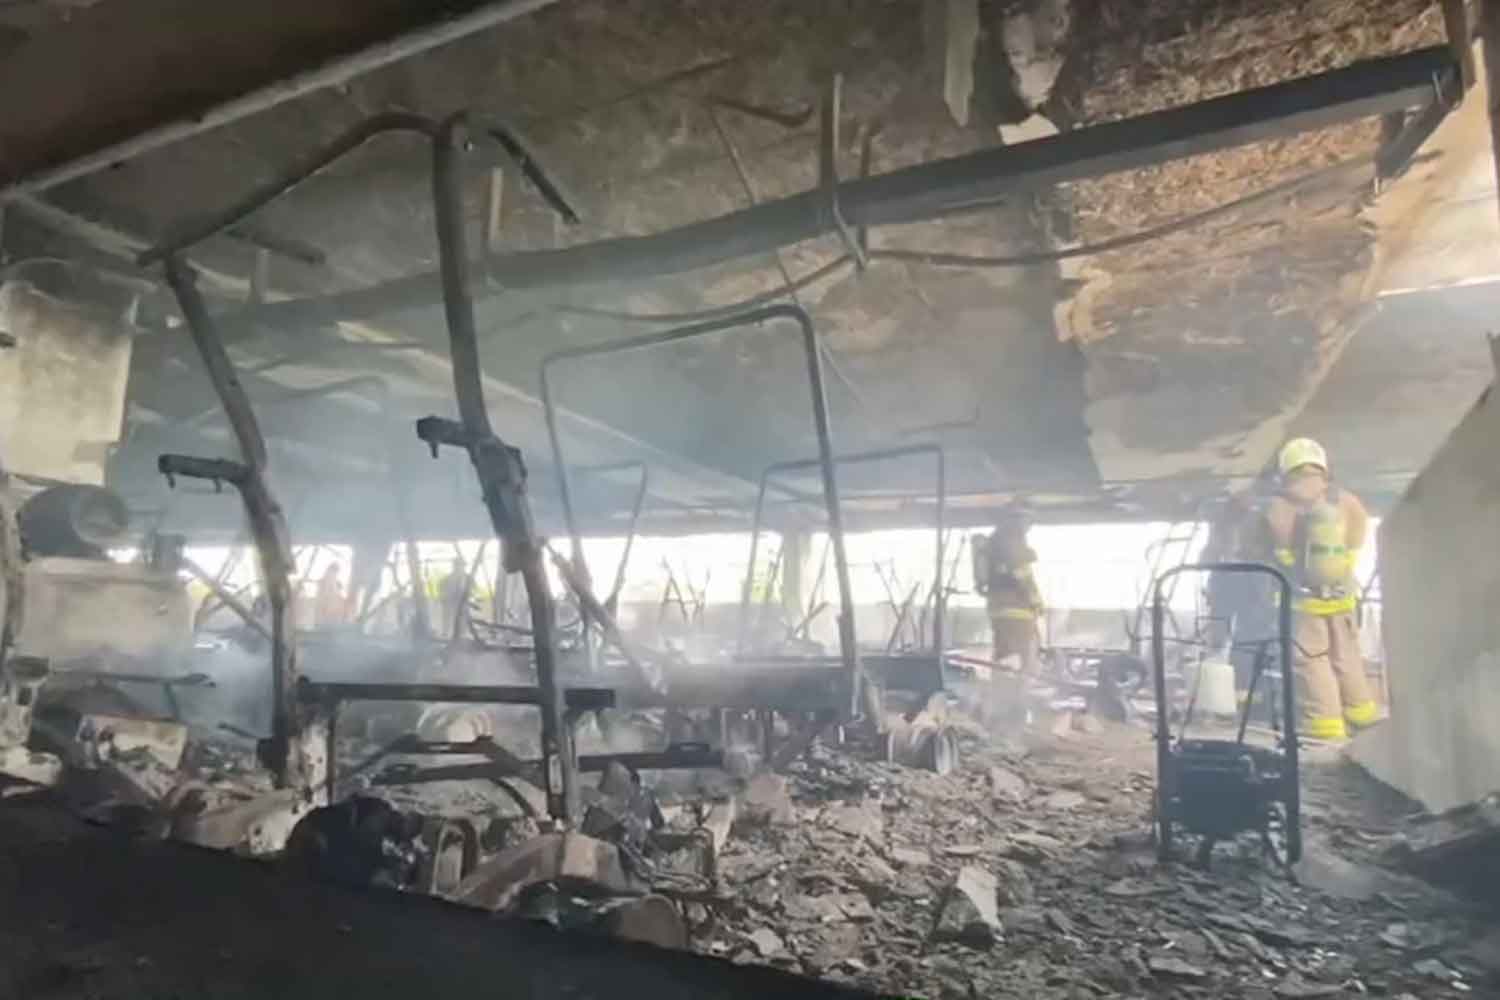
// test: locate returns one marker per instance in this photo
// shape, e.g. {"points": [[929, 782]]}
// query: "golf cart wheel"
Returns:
{"points": [[943, 752]]}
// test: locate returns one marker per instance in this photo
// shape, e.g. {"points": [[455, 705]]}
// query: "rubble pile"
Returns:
{"points": [[1030, 873]]}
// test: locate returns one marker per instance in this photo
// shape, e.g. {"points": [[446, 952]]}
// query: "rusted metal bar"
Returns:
{"points": [[295, 750], [288, 180], [695, 756], [385, 123], [830, 111], [501, 471]]}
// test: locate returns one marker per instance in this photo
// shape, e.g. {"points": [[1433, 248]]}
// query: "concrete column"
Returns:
{"points": [[794, 546]]}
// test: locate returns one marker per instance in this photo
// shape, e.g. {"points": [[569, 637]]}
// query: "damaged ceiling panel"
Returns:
{"points": [[1178, 356]]}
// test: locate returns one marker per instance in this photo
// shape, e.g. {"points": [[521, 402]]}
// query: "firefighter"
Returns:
{"points": [[1316, 530], [1004, 572]]}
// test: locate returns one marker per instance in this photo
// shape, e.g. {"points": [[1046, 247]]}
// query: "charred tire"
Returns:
{"points": [[942, 752]]}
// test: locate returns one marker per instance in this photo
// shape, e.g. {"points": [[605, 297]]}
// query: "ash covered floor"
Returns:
{"points": [[853, 880], [843, 870], [86, 914]]}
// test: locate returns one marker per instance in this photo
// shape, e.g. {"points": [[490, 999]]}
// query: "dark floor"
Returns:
{"points": [[89, 914]]}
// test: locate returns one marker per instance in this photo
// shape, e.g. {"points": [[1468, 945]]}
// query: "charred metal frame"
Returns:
{"points": [[877, 455], [329, 698], [501, 471], [1291, 792], [825, 462], [500, 468], [293, 752]]}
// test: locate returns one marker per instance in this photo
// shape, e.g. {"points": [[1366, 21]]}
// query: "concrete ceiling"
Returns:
{"points": [[1135, 382]]}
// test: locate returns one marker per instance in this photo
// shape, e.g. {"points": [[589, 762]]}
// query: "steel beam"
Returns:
{"points": [[934, 190]]}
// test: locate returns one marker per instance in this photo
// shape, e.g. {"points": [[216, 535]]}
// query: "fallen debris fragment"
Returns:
{"points": [[1174, 968], [767, 942], [1008, 786], [968, 913], [1130, 888], [766, 800], [862, 820], [1294, 986], [1063, 801], [1434, 969], [910, 856]]}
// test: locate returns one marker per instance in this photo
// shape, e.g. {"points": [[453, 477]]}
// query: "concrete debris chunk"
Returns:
{"points": [[563, 858], [1063, 801], [1281, 935], [1014, 884], [1326, 872], [767, 942], [1216, 943], [1028, 919], [766, 801], [863, 820], [819, 909], [1174, 968], [968, 913], [1060, 923], [652, 920], [1297, 988], [719, 821], [1031, 847], [963, 851], [910, 856], [745, 868], [856, 907], [832, 947], [1008, 786], [1252, 944], [1134, 888], [1434, 969], [1411, 937]]}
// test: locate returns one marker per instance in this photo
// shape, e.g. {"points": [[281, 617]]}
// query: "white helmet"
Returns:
{"points": [[1302, 451]]}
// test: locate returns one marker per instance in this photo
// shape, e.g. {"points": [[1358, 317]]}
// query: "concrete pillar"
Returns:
{"points": [[794, 546]]}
